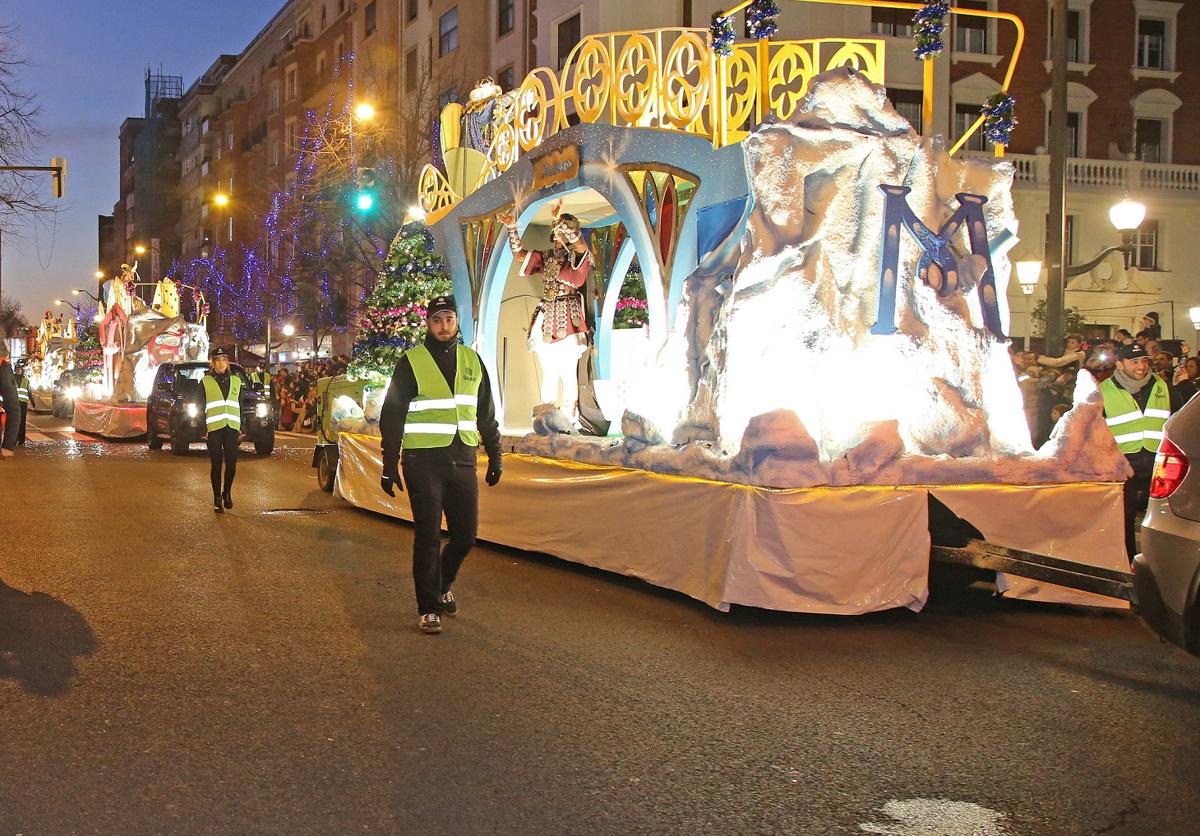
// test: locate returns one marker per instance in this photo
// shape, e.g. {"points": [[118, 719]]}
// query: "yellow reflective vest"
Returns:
{"points": [[220, 411], [436, 414], [1134, 429]]}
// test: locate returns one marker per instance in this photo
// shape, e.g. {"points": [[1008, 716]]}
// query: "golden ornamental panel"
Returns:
{"points": [[592, 84], [791, 69], [637, 79], [686, 80], [538, 108], [865, 56], [741, 91], [434, 192]]}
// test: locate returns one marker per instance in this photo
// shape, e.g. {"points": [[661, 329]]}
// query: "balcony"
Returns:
{"points": [[1112, 175]]}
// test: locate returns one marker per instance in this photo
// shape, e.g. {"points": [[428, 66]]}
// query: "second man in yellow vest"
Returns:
{"points": [[438, 409], [223, 421], [1136, 405]]}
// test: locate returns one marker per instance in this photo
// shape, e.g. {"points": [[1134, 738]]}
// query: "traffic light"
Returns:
{"points": [[364, 197]]}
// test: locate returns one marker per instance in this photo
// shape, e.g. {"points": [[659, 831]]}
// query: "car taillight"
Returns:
{"points": [[1170, 466]]}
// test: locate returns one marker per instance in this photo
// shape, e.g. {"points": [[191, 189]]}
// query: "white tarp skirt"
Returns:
{"points": [[110, 420], [843, 551]]}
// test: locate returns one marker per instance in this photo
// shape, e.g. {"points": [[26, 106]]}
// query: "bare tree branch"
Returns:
{"points": [[22, 194]]}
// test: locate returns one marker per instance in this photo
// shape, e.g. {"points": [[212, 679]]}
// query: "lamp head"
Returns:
{"points": [[1029, 271], [1127, 215]]}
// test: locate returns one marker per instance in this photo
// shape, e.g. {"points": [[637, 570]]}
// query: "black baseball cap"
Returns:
{"points": [[439, 304], [1133, 352]]}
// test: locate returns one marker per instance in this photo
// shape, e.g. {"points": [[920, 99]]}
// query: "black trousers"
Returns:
{"points": [[1137, 497], [24, 417], [438, 486], [222, 449]]}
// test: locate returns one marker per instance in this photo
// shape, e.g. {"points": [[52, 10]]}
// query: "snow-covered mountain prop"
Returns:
{"points": [[823, 343]]}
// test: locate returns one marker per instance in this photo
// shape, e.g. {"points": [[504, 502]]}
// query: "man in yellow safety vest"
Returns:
{"points": [[223, 423], [25, 396], [438, 409], [1136, 406]]}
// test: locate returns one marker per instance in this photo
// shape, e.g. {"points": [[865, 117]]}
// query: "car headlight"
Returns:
{"points": [[192, 410], [261, 410], [73, 392]]}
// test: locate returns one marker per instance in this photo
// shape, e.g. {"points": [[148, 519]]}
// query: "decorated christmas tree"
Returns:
{"points": [[394, 318], [632, 310]]}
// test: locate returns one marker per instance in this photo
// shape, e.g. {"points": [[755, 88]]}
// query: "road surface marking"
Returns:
{"points": [[938, 817]]}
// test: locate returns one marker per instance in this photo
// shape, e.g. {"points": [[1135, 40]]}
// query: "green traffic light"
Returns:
{"points": [[365, 201]]}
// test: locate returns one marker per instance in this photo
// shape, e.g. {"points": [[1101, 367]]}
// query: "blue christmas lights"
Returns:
{"points": [[929, 24], [998, 119], [762, 19], [720, 35]]}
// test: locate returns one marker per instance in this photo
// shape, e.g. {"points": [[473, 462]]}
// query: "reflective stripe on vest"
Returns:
{"points": [[220, 411], [436, 414], [23, 389], [1132, 428]]}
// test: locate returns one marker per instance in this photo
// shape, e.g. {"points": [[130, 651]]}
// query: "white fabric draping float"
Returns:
{"points": [[845, 551], [110, 420]]}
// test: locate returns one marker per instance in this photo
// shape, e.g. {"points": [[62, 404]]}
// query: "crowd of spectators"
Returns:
{"points": [[295, 391], [1048, 383]]}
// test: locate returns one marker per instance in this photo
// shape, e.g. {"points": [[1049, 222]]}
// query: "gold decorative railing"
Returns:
{"points": [[670, 79]]}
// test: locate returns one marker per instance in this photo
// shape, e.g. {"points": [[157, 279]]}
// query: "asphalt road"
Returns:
{"points": [[167, 670]]}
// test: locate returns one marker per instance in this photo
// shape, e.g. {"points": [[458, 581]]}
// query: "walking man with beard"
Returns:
{"points": [[1137, 404], [438, 409]]}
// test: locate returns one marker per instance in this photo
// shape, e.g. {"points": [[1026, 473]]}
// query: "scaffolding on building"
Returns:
{"points": [[160, 87]]}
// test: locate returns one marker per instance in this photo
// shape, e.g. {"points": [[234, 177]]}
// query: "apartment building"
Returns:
{"points": [[144, 221]]}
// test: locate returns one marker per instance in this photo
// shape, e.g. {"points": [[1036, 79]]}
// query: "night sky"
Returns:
{"points": [[87, 64]]}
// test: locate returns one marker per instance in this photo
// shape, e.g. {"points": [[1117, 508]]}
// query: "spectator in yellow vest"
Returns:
{"points": [[1136, 405]]}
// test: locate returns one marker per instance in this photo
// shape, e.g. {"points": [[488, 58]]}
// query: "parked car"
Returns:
{"points": [[1166, 574], [175, 409], [68, 389]]}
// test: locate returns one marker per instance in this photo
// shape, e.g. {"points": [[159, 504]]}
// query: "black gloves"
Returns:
{"points": [[391, 478], [495, 468]]}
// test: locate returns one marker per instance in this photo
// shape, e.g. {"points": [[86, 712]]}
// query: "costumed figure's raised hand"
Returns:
{"points": [[507, 218]]}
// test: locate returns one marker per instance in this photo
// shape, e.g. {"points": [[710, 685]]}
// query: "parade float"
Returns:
{"points": [[825, 353], [135, 339]]}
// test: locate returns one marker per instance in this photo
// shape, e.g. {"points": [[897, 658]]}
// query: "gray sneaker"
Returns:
{"points": [[431, 622], [448, 604]]}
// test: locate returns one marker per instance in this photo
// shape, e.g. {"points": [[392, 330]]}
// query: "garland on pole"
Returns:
{"points": [[998, 121], [720, 35], [762, 19], [929, 24], [394, 317]]}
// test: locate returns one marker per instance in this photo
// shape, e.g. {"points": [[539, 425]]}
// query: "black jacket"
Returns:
{"points": [[403, 389], [12, 405]]}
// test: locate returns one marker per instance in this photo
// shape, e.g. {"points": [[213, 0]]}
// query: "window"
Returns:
{"points": [[274, 150], [275, 97], [447, 96], [1068, 236], [1076, 52], [369, 19], [970, 33], [908, 104], [291, 84], [229, 139], [448, 32], [507, 78], [339, 49], [1145, 240], [895, 23], [410, 70], [324, 17], [506, 16], [964, 118], [1152, 44], [412, 9], [1148, 140], [1074, 148], [569, 32], [290, 135], [321, 67]]}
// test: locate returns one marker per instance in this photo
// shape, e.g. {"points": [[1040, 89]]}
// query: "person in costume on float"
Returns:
{"points": [[1137, 404], [25, 396], [223, 421], [438, 409], [558, 331]]}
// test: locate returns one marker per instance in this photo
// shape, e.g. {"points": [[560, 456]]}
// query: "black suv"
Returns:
{"points": [[175, 409]]}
